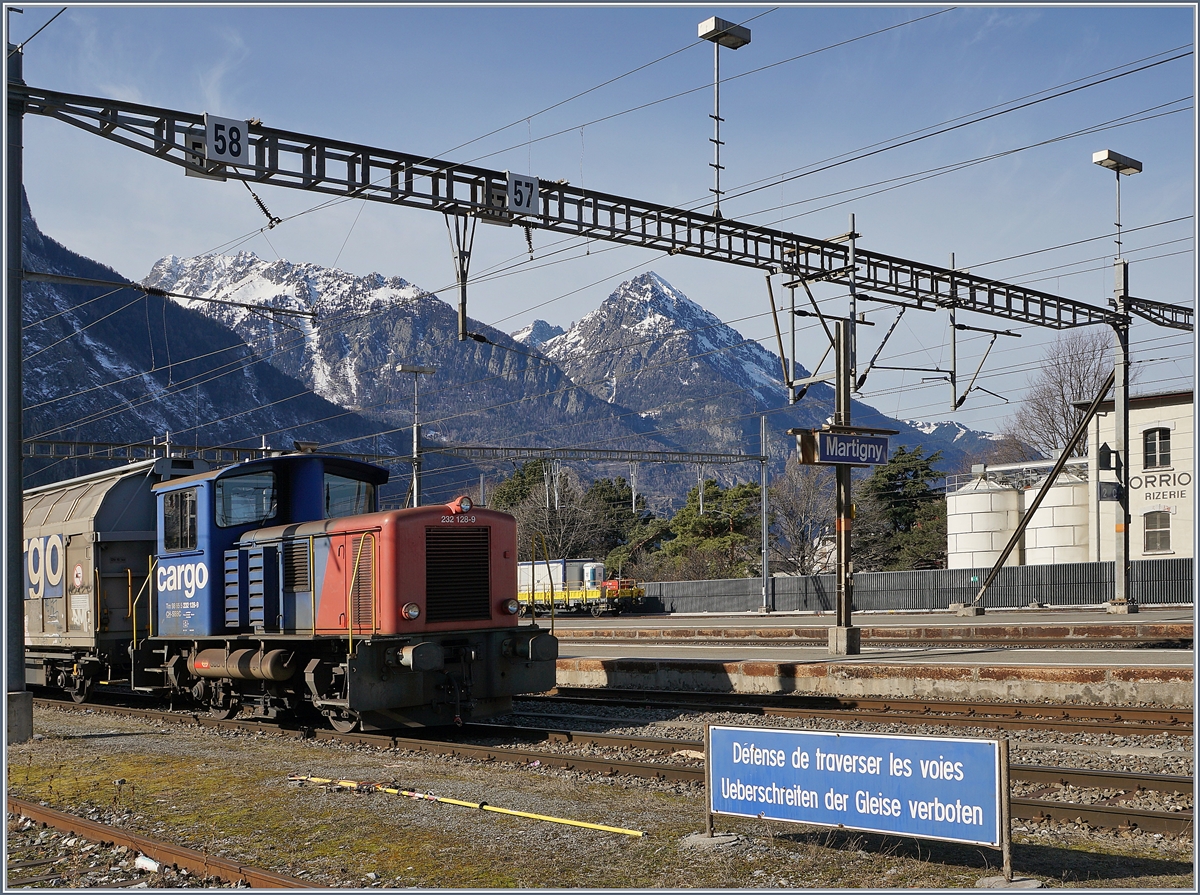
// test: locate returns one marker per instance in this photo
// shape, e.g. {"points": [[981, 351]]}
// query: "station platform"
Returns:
{"points": [[755, 654]]}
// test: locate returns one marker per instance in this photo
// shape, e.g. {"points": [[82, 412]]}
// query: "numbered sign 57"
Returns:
{"points": [[226, 140], [522, 194]]}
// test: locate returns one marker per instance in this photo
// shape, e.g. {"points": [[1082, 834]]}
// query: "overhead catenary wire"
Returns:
{"points": [[337, 200], [299, 395], [347, 412]]}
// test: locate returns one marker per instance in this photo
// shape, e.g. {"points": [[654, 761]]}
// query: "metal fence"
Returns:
{"points": [[1152, 581]]}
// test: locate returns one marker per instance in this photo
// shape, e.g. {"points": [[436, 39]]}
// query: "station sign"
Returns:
{"points": [[840, 447], [931, 787]]}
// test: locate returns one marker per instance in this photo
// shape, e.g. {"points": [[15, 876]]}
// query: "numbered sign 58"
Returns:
{"points": [[226, 140], [522, 194]]}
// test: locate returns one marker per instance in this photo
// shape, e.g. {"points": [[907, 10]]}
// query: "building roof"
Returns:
{"points": [[1146, 399]]}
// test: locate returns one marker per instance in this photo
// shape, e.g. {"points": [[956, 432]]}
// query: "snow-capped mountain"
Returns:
{"points": [[649, 347], [365, 327], [648, 335], [537, 334], [951, 431], [300, 346], [121, 366]]}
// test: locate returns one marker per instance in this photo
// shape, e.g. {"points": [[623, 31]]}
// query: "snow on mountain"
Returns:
{"points": [[365, 327], [116, 366], [951, 431], [648, 340], [327, 292], [537, 334]]}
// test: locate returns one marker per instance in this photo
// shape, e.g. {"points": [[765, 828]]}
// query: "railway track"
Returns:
{"points": [[165, 853], [1028, 716], [690, 769]]}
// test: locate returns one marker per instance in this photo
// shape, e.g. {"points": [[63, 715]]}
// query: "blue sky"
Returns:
{"points": [[429, 79]]}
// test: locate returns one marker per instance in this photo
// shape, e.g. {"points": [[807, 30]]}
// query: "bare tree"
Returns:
{"points": [[558, 514], [802, 500], [1072, 369]]}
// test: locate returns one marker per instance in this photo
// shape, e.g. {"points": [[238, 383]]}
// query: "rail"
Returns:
{"points": [[194, 861]]}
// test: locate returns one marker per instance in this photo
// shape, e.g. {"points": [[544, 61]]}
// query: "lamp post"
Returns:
{"points": [[1120, 165], [417, 372], [722, 34]]}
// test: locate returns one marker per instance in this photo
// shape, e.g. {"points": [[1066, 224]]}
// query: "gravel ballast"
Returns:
{"points": [[228, 793]]}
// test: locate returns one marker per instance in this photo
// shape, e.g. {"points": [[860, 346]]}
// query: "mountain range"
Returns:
{"points": [[649, 369]]}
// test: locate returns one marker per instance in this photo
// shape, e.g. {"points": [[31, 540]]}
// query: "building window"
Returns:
{"points": [[1156, 445], [1158, 532]]}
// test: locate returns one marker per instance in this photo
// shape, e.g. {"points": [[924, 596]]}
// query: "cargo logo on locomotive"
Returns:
{"points": [[186, 577], [44, 566]]}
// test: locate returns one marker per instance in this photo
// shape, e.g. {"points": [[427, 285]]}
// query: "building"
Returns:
{"points": [[1074, 524], [1162, 467]]}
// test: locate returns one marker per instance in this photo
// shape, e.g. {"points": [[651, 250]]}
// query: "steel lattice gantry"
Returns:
{"points": [[48, 449], [598, 455], [319, 165]]}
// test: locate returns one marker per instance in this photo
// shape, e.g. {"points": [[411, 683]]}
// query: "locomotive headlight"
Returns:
{"points": [[465, 504], [411, 611], [512, 607]]}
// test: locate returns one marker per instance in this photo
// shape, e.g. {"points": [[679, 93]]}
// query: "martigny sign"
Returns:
{"points": [[837, 447]]}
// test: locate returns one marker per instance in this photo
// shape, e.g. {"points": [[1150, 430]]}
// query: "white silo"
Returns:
{"points": [[1058, 531], [981, 516]]}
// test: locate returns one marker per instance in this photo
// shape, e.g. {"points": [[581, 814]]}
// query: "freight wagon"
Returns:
{"points": [[575, 585]]}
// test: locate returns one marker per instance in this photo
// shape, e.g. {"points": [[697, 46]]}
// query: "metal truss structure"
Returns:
{"points": [[44, 449], [479, 452], [336, 167]]}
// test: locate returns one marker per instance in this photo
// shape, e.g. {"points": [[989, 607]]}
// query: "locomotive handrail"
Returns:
{"points": [[312, 584], [128, 593], [350, 592], [137, 599]]}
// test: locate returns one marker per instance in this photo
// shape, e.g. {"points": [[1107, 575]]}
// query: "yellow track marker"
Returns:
{"points": [[359, 786]]}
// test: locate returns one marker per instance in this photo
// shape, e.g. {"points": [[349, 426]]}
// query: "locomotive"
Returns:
{"points": [[276, 588]]}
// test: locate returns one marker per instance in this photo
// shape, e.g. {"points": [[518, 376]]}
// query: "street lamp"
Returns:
{"points": [[417, 372], [1121, 602], [1121, 164], [722, 34]]}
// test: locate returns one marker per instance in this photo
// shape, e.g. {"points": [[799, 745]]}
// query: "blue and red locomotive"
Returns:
{"points": [[276, 588]]}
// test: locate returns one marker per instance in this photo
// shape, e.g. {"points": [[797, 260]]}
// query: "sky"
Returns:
{"points": [[618, 99]]}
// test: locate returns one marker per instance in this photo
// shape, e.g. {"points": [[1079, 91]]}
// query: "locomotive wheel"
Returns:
{"points": [[346, 723], [222, 704], [224, 712], [597, 611], [82, 690]]}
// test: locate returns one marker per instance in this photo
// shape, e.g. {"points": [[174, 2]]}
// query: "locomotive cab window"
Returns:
{"points": [[347, 497], [179, 520], [246, 499]]}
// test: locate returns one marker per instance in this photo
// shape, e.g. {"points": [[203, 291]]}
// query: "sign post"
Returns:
{"points": [[843, 447], [951, 789]]}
